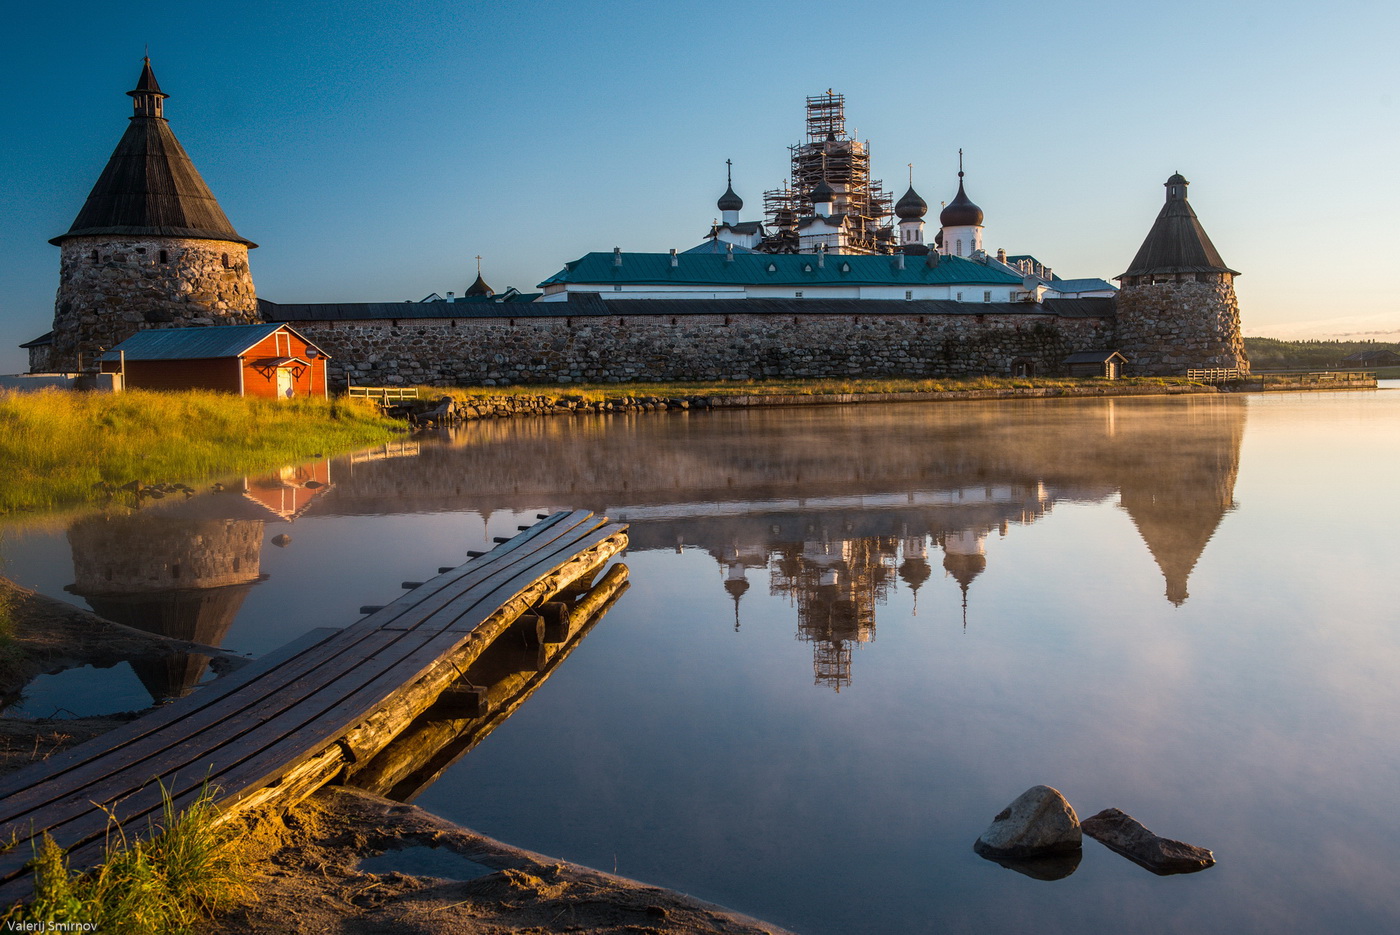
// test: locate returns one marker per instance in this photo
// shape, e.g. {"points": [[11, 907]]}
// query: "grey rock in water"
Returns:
{"points": [[1039, 823], [1121, 832]]}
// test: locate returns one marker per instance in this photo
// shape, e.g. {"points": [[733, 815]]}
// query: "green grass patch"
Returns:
{"points": [[60, 447], [190, 867], [604, 392]]}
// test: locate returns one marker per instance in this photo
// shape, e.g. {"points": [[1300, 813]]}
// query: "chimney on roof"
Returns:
{"points": [[451, 294], [899, 261], [931, 261], [729, 253], [675, 261], [1001, 254], [821, 256], [617, 256]]}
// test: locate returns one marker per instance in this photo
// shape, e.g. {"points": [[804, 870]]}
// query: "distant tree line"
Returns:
{"points": [[1272, 354]]}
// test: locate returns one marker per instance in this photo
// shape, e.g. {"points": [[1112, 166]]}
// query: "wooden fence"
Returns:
{"points": [[384, 394]]}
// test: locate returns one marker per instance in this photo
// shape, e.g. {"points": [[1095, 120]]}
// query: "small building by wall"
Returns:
{"points": [[269, 360], [1106, 364]]}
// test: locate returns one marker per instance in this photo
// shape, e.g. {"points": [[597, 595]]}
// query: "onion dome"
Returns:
{"points": [[1177, 179], [785, 218], [961, 212], [479, 288], [911, 207], [822, 194], [730, 201]]}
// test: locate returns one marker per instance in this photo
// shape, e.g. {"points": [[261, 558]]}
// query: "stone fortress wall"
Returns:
{"points": [[1165, 328], [500, 351], [111, 287]]}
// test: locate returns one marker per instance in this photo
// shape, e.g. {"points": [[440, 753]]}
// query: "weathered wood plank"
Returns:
{"points": [[292, 722]]}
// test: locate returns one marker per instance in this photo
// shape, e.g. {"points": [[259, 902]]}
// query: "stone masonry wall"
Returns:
{"points": [[505, 351], [1169, 327], [127, 288]]}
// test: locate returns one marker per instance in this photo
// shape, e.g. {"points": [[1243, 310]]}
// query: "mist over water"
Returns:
{"points": [[854, 634]]}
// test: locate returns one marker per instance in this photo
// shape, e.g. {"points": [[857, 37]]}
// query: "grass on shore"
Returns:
{"points": [[58, 447], [169, 883], [603, 392]]}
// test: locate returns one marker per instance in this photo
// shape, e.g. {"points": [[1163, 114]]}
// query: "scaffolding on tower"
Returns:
{"points": [[832, 154]]}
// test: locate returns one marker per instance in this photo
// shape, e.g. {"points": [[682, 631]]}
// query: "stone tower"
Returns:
{"points": [[151, 247], [1177, 308]]}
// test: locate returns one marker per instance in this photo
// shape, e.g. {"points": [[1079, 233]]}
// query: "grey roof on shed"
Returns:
{"points": [[195, 343], [150, 188]]}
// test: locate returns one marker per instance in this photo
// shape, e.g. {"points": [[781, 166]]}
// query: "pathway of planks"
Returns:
{"points": [[278, 729]]}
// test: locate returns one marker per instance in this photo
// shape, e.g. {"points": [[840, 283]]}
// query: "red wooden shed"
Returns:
{"points": [[270, 360]]}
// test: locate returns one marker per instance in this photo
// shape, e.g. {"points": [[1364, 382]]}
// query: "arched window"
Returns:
{"points": [[228, 265], [164, 257], [93, 256], [960, 246]]}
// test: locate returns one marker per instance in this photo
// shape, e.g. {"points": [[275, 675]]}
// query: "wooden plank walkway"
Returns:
{"points": [[278, 729]]}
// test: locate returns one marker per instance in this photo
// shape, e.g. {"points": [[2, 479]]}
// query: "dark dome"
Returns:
{"points": [[822, 193], [960, 211], [1177, 179], [911, 206], [730, 201]]}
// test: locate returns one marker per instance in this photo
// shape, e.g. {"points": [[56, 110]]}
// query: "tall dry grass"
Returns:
{"points": [[189, 868], [58, 447]]}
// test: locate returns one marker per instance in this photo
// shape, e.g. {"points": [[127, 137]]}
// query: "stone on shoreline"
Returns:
{"points": [[1040, 822], [1123, 833]]}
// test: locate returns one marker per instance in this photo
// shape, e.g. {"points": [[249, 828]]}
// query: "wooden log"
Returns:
{"points": [[556, 616], [410, 585], [399, 710], [368, 609], [473, 554], [459, 701], [444, 569], [412, 760]]}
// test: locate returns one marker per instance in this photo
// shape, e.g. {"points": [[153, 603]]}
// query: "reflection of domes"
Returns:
{"points": [[964, 567], [736, 587], [915, 571], [961, 212]]}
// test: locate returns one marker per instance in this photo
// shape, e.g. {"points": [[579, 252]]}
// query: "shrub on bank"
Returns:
{"points": [[168, 883], [60, 447]]}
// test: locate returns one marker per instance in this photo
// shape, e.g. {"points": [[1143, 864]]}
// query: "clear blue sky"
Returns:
{"points": [[373, 149]]}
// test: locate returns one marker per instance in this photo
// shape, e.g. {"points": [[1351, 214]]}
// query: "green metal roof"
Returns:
{"points": [[796, 269], [193, 343]]}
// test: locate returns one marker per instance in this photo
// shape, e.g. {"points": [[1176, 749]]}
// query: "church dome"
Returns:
{"points": [[822, 193], [730, 201], [911, 206], [961, 211], [1177, 179]]}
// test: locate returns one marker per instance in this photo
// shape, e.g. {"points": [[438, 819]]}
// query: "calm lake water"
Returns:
{"points": [[855, 634]]}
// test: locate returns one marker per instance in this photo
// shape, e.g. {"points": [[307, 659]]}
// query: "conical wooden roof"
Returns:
{"points": [[1177, 243], [150, 186]]}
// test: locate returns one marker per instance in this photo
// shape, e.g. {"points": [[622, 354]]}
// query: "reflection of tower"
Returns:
{"points": [[738, 559], [965, 557], [736, 583], [836, 585], [1178, 498], [914, 570], [181, 578]]}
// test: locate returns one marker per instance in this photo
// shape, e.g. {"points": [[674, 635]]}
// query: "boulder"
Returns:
{"points": [[1039, 823], [1123, 833]]}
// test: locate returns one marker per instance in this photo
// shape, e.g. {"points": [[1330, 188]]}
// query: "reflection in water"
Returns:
{"points": [[183, 569], [838, 504]]}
